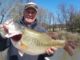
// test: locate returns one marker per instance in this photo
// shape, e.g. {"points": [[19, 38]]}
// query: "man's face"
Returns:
{"points": [[29, 15]]}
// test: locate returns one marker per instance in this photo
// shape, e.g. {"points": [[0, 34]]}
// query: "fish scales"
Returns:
{"points": [[38, 42]]}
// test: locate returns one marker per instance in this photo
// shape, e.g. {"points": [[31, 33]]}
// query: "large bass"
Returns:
{"points": [[32, 42]]}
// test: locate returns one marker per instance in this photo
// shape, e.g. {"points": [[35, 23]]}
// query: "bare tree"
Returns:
{"points": [[0, 3], [65, 15], [73, 24], [30, 0], [4, 10], [46, 18], [26, 1], [69, 18]]}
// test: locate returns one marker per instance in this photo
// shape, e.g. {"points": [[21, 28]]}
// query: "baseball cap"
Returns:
{"points": [[31, 4]]}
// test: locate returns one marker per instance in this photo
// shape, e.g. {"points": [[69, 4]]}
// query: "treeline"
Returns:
{"points": [[67, 18]]}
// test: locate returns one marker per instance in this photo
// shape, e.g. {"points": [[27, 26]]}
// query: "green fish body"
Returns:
{"points": [[34, 43]]}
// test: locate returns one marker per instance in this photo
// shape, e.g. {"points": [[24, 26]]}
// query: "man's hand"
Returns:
{"points": [[70, 47], [51, 50]]}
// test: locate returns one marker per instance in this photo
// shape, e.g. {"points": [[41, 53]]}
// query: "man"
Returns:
{"points": [[29, 20]]}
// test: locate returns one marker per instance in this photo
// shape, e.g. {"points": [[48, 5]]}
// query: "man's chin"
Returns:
{"points": [[29, 20]]}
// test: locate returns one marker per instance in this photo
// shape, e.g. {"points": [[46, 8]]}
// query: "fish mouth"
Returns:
{"points": [[16, 37]]}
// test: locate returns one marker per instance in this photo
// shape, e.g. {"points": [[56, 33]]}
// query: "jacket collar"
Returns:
{"points": [[32, 25]]}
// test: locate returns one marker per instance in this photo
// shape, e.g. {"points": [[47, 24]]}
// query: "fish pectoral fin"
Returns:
{"points": [[22, 49], [23, 46], [21, 53]]}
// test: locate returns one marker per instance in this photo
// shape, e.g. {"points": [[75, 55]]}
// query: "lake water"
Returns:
{"points": [[60, 54]]}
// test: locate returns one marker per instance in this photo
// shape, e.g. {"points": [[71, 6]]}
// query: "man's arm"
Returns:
{"points": [[3, 43]]}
